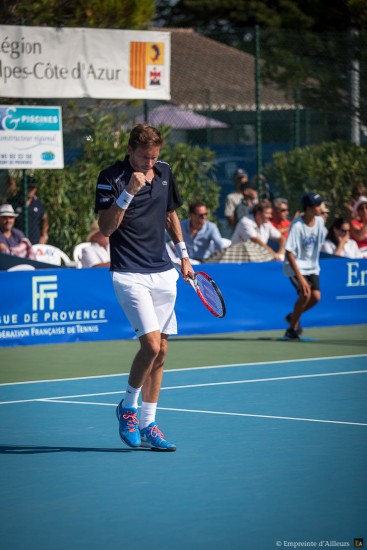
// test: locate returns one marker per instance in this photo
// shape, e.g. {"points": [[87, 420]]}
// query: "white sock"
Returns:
{"points": [[131, 397], [147, 414]]}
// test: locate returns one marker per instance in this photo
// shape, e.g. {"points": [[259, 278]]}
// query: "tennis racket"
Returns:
{"points": [[209, 293]]}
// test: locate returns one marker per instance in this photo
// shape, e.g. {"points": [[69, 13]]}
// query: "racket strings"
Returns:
{"points": [[210, 294]]}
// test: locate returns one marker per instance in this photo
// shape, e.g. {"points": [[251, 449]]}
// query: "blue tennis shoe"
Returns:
{"points": [[128, 425], [152, 438]]}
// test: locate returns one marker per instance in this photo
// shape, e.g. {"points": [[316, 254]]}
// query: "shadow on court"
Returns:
{"points": [[38, 449]]}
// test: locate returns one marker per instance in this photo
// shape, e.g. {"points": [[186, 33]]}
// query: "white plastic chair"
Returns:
{"points": [[50, 254], [21, 267], [77, 253]]}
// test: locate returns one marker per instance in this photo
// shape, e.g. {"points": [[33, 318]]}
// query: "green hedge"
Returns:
{"points": [[332, 169]]}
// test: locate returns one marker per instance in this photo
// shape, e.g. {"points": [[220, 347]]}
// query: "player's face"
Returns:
{"points": [[142, 159]]}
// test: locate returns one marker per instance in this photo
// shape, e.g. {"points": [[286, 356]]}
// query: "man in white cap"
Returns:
{"points": [[12, 240]]}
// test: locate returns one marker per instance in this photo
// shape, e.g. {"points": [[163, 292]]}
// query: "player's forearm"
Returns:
{"points": [[109, 220], [174, 227]]}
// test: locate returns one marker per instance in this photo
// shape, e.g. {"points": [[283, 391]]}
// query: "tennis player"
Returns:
{"points": [[136, 200], [302, 253]]}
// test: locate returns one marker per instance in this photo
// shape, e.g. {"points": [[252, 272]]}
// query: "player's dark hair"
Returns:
{"points": [[144, 135]]}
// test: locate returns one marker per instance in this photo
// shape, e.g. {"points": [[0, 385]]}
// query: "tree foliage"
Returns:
{"points": [[69, 194], [109, 14], [332, 169]]}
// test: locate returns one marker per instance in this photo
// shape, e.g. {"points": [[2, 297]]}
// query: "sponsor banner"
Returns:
{"points": [[31, 137], [71, 305], [99, 63]]}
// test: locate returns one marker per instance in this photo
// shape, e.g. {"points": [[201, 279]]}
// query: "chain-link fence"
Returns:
{"points": [[245, 95]]}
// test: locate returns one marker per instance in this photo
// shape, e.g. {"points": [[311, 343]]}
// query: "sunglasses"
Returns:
{"points": [[344, 230], [283, 209], [362, 207], [203, 215]]}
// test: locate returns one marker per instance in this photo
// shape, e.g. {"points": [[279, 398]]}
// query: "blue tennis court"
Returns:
{"points": [[268, 455]]}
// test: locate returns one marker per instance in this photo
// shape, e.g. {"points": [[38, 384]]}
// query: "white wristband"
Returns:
{"points": [[181, 250], [124, 200]]}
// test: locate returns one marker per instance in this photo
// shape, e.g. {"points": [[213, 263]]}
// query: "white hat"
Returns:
{"points": [[7, 210], [361, 200]]}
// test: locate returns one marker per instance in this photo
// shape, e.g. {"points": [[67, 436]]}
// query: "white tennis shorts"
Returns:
{"points": [[148, 300]]}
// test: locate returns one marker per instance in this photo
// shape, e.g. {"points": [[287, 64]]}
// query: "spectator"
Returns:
{"points": [[359, 190], [37, 215], [98, 253], [202, 237], [12, 240], [263, 189], [302, 252], [338, 242], [280, 218], [259, 229], [359, 225], [247, 204], [234, 199]]}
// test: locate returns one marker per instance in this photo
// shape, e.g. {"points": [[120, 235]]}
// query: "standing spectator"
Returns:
{"points": [[280, 218], [338, 242], [234, 199], [202, 237], [259, 230], [98, 253], [263, 189], [245, 208], [12, 240], [137, 200], [359, 225], [302, 253], [37, 215]]}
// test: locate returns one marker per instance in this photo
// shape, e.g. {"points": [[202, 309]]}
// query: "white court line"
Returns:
{"points": [[260, 363], [198, 411], [190, 386]]}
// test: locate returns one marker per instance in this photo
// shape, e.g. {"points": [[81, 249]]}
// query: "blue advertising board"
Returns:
{"points": [[71, 305]]}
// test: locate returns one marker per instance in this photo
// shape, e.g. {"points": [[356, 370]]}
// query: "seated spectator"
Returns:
{"points": [[338, 242], [234, 199], [36, 212], [202, 237], [280, 218], [259, 230], [249, 199], [12, 240], [358, 190], [98, 253], [358, 230]]}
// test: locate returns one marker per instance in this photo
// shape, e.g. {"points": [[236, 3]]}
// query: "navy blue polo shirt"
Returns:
{"points": [[138, 244]]}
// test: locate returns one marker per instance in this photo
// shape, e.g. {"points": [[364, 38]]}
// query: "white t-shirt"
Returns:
{"points": [[94, 254], [247, 228], [305, 244], [232, 200], [350, 249]]}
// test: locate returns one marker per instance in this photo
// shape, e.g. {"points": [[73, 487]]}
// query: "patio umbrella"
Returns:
{"points": [[181, 119]]}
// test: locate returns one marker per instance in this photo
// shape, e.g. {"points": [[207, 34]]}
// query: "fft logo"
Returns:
{"points": [[44, 289]]}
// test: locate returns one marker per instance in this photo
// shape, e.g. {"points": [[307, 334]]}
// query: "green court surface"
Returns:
{"points": [[49, 362]]}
